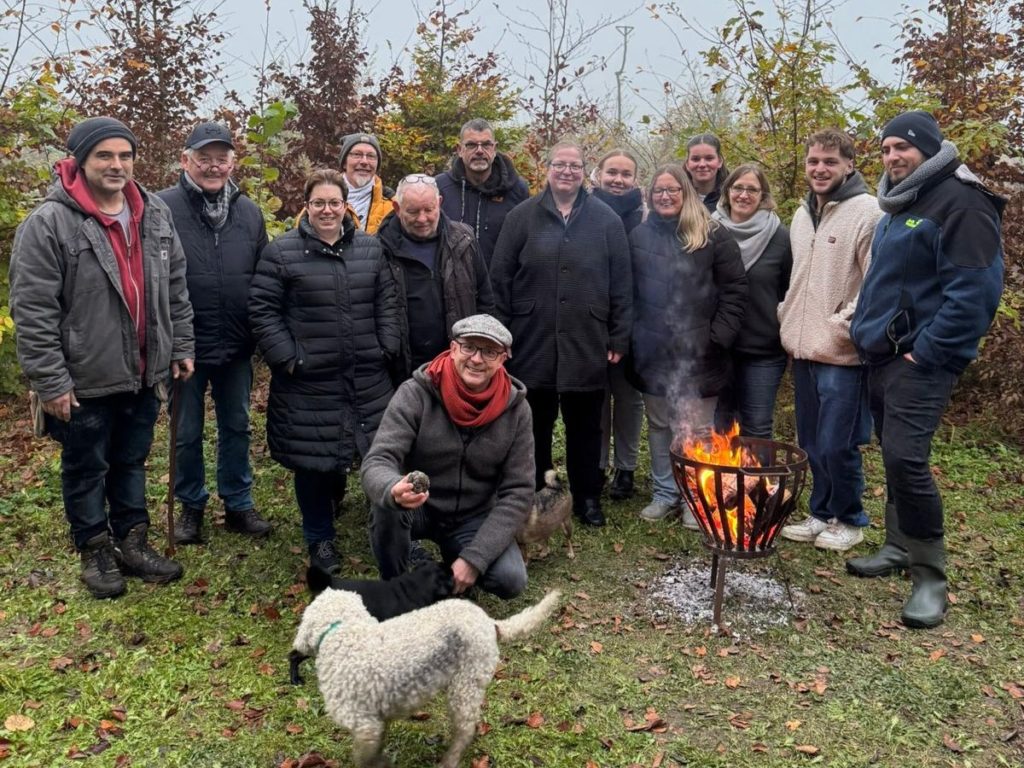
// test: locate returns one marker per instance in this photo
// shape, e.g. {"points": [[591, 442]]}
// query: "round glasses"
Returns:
{"points": [[319, 205], [490, 354]]}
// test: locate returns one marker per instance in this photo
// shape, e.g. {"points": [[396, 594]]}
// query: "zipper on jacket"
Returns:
{"points": [[466, 440]]}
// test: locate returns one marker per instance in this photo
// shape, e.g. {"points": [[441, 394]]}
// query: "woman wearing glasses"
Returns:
{"points": [[324, 313], [562, 285], [747, 210], [689, 291]]}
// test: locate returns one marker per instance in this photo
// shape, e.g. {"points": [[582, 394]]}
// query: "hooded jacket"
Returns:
{"points": [[485, 470], [326, 320], [936, 275], [221, 263], [485, 207], [460, 277], [831, 253], [80, 326]]}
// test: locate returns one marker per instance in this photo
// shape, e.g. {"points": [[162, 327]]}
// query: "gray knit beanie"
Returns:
{"points": [[359, 138]]}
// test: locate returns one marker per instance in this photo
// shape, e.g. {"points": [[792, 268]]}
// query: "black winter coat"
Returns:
{"points": [[483, 208], [331, 315], [564, 290], [461, 274], [220, 265], [687, 309], [767, 283]]}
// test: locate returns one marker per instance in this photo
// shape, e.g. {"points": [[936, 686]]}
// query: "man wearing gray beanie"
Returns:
{"points": [[99, 297], [368, 198], [929, 296]]}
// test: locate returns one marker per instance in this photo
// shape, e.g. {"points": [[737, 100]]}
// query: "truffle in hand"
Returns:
{"points": [[420, 481]]}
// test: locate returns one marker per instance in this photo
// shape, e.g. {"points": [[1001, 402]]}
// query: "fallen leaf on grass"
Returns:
{"points": [[596, 647], [807, 749], [61, 663], [480, 762], [617, 547], [977, 638], [741, 720], [19, 723], [659, 758], [1013, 689], [732, 682], [535, 720], [483, 728], [937, 654], [793, 724], [951, 744], [293, 728]]}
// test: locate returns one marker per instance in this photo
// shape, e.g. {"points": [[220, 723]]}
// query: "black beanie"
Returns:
{"points": [[88, 133], [917, 127]]}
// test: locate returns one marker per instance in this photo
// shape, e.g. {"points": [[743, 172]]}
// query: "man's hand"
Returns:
{"points": [[60, 407], [404, 495], [614, 357], [464, 575], [182, 369]]}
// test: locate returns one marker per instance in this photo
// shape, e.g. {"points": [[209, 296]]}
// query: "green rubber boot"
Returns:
{"points": [[891, 558], [926, 607]]}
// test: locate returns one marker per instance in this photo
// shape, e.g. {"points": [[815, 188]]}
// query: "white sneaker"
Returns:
{"points": [[806, 531], [839, 537], [657, 510], [688, 520]]}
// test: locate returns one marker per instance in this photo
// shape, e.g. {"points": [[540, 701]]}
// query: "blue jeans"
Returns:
{"points": [[751, 398], [103, 462], [391, 531], [230, 385], [622, 418], [665, 422], [832, 422], [907, 402]]}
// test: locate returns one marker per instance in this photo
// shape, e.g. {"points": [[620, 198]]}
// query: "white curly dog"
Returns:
{"points": [[372, 672]]}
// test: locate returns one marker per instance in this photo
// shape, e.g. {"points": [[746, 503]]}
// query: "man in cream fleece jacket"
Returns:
{"points": [[831, 239]]}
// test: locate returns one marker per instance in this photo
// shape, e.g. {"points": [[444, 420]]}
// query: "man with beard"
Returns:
{"points": [[831, 241], [482, 186], [930, 295], [440, 274], [368, 198]]}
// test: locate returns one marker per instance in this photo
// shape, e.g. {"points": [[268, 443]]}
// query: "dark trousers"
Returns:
{"points": [[103, 462], [391, 531], [581, 415], [907, 402], [315, 493]]}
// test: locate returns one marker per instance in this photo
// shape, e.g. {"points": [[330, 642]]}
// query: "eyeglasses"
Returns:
{"points": [[490, 354], [419, 178], [473, 146], [561, 166], [319, 205], [205, 163], [362, 155], [738, 190], [670, 191]]}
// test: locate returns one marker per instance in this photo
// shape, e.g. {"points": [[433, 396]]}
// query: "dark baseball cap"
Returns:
{"points": [[209, 133]]}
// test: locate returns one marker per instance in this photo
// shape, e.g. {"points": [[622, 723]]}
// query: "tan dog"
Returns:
{"points": [[552, 509], [371, 672]]}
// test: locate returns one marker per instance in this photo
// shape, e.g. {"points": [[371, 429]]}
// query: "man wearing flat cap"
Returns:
{"points": [[929, 296], [222, 232], [464, 422], [99, 298]]}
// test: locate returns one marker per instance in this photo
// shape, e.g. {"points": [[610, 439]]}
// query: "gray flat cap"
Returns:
{"points": [[484, 327]]}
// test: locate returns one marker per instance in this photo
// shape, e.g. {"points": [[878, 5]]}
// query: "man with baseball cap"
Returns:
{"points": [[931, 292], [222, 232], [464, 422], [99, 298], [368, 198]]}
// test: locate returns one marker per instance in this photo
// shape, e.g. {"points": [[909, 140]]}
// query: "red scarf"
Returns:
{"points": [[466, 408]]}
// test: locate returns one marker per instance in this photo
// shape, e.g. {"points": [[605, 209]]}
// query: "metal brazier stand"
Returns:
{"points": [[740, 509]]}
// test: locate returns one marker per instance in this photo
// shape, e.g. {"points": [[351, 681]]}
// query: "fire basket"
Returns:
{"points": [[741, 490]]}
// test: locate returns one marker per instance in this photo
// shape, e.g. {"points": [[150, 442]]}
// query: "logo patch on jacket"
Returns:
{"points": [[831, 239], [912, 223]]}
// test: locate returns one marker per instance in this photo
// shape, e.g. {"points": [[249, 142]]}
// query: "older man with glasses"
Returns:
{"points": [[438, 269], [464, 422], [222, 232], [368, 198], [482, 185]]}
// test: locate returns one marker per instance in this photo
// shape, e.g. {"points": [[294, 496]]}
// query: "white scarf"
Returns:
{"points": [[359, 199]]}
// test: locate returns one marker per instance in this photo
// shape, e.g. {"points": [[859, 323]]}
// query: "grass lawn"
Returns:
{"points": [[195, 673]]}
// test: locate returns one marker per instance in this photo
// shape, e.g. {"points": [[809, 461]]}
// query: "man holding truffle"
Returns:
{"points": [[464, 422]]}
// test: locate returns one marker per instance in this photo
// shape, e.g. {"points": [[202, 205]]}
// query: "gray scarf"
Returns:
{"points": [[893, 199], [753, 234], [215, 210], [359, 199]]}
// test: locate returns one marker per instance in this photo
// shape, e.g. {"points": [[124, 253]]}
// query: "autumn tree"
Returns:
{"points": [[448, 85]]}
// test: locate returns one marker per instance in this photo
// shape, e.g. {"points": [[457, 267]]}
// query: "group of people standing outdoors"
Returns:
{"points": [[444, 325]]}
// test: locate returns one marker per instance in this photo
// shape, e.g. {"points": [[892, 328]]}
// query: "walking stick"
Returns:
{"points": [[172, 462]]}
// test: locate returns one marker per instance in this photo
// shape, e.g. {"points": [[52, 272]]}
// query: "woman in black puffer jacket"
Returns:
{"points": [[324, 313], [689, 291]]}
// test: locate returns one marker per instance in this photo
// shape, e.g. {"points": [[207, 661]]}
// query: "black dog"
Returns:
{"points": [[424, 585]]}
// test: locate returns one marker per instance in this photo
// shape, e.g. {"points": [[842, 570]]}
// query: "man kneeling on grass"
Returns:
{"points": [[465, 423]]}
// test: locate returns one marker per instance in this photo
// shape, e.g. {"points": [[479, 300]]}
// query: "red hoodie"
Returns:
{"points": [[128, 253]]}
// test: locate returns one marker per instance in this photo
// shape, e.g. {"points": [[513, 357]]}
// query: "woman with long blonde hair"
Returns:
{"points": [[689, 290]]}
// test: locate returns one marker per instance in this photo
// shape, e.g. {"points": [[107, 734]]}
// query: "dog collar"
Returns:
{"points": [[326, 632]]}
